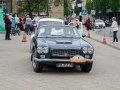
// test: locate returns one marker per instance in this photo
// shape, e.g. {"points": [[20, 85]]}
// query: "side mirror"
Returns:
{"points": [[83, 35]]}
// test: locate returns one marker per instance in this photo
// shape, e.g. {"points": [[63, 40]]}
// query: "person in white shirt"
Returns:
{"points": [[27, 24], [17, 20], [36, 19], [10, 17], [114, 29]]}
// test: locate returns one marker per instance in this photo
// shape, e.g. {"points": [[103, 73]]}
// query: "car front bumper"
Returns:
{"points": [[99, 26], [62, 60]]}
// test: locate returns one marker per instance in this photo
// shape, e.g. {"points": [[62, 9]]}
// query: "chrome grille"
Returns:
{"points": [[65, 53]]}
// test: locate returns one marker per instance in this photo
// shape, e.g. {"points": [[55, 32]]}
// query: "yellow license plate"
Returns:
{"points": [[78, 59]]}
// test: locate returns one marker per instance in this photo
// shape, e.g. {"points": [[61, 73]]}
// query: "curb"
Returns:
{"points": [[105, 44]]}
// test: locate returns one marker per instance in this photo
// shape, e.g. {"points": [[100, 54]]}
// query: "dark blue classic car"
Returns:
{"points": [[60, 46]]}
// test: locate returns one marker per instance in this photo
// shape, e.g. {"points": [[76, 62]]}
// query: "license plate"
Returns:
{"points": [[101, 25], [64, 65], [77, 59]]}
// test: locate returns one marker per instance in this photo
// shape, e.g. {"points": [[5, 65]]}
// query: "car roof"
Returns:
{"points": [[51, 19]]}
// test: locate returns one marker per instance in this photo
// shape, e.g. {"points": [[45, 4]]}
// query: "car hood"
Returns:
{"points": [[62, 43]]}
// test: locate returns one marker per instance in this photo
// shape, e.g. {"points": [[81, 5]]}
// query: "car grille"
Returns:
{"points": [[101, 25], [64, 53]]}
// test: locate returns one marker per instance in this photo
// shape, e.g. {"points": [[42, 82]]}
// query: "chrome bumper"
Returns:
{"points": [[58, 60]]}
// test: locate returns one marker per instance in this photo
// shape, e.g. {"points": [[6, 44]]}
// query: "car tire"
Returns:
{"points": [[37, 67], [86, 67]]}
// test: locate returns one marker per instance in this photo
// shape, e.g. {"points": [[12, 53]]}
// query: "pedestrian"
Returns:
{"points": [[17, 20], [65, 20], [34, 24], [10, 17], [27, 24], [13, 25], [36, 19], [74, 23], [88, 24], [21, 24], [114, 29], [68, 19], [7, 27]]}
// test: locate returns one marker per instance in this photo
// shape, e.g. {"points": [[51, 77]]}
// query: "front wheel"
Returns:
{"points": [[37, 67], [86, 67]]}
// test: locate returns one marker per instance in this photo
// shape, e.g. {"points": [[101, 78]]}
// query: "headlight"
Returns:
{"points": [[90, 50], [39, 50], [42, 50], [84, 49], [45, 50]]}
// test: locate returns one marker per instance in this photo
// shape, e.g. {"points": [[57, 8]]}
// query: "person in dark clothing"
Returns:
{"points": [[7, 27]]}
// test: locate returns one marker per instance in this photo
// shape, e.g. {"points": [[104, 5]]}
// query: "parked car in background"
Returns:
{"points": [[60, 46], [99, 23]]}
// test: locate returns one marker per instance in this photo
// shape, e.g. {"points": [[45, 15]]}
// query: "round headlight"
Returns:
{"points": [[39, 49], [45, 50], [90, 50], [84, 49]]}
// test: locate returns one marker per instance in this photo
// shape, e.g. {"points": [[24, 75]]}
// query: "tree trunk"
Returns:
{"points": [[30, 13]]}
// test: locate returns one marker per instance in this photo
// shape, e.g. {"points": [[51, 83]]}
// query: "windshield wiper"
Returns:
{"points": [[43, 37]]}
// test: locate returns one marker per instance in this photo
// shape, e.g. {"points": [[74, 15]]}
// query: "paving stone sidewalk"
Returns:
{"points": [[99, 38]]}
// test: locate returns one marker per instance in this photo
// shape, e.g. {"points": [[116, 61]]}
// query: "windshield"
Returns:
{"points": [[57, 31], [41, 23], [98, 20]]}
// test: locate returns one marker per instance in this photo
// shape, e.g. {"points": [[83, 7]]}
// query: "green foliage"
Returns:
{"points": [[115, 5], [103, 5], [88, 6], [66, 8], [66, 11], [65, 3], [77, 10], [36, 6]]}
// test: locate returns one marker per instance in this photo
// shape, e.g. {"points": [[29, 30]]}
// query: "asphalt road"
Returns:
{"points": [[106, 32], [16, 71]]}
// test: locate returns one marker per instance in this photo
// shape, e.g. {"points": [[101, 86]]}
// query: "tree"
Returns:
{"points": [[103, 5], [29, 6], [88, 6], [66, 11], [77, 10], [36, 6], [66, 8], [114, 5]]}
